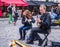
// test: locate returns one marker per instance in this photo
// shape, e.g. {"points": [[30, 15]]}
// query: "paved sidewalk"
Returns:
{"points": [[9, 32]]}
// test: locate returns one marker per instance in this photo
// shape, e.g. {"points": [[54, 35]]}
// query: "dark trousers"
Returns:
{"points": [[34, 33], [22, 30], [15, 19]]}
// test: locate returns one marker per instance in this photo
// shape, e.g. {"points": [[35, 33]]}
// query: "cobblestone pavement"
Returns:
{"points": [[10, 32]]}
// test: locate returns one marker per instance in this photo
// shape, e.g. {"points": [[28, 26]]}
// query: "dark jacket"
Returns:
{"points": [[9, 9], [27, 23], [16, 14], [46, 21]]}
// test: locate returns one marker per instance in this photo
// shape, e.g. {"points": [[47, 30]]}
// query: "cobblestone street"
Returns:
{"points": [[10, 32]]}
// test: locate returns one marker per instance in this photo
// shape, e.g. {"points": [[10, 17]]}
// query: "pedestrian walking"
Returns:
{"points": [[13, 10], [19, 12], [9, 9], [14, 14], [15, 17]]}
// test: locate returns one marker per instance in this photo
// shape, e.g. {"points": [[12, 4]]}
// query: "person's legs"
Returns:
{"points": [[15, 20], [34, 34], [10, 17], [20, 31], [24, 31]]}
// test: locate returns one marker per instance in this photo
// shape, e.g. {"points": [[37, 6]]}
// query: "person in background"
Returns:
{"points": [[19, 12], [27, 21], [15, 17], [54, 13], [35, 11], [13, 10], [23, 9], [58, 12], [9, 9], [3, 8], [43, 26], [14, 14]]}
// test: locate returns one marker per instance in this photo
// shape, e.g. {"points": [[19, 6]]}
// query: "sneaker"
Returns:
{"points": [[29, 42], [40, 43], [20, 39]]}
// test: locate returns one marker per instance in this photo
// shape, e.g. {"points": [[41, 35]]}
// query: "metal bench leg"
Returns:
{"points": [[44, 40]]}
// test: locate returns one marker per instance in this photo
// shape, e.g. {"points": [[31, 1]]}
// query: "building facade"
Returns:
{"points": [[56, 1], [48, 3]]}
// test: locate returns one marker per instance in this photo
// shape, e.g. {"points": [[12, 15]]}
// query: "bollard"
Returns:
{"points": [[13, 44]]}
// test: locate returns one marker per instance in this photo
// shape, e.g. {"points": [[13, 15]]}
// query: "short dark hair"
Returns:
{"points": [[44, 6]]}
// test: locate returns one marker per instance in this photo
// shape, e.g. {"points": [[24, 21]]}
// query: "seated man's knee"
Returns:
{"points": [[32, 31]]}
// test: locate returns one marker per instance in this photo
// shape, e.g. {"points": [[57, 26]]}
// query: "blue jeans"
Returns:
{"points": [[53, 16], [58, 17], [22, 31]]}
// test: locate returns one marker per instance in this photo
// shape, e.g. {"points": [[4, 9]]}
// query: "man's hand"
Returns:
{"points": [[38, 22]]}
